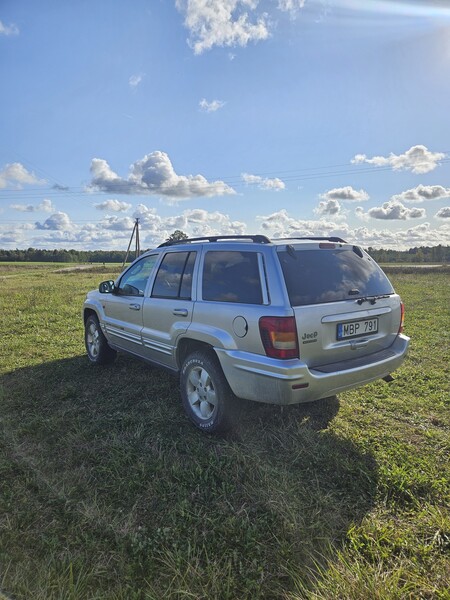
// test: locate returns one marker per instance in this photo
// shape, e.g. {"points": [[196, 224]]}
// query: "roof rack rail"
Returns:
{"points": [[316, 239], [257, 239]]}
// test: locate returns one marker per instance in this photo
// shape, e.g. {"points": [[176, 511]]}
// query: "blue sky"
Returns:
{"points": [[282, 117]]}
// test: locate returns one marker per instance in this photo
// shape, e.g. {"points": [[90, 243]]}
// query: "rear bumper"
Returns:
{"points": [[260, 378]]}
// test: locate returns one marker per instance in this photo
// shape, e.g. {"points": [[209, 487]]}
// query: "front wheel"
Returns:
{"points": [[97, 347], [207, 398]]}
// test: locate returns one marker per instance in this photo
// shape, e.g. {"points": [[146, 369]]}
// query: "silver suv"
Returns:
{"points": [[283, 321]]}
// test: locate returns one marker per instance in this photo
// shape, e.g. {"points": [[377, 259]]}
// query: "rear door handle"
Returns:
{"points": [[181, 312], [134, 306]]}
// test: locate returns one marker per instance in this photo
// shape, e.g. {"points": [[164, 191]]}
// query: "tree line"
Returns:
{"points": [[63, 256], [422, 254]]}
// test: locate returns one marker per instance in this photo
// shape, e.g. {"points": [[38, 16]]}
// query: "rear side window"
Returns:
{"points": [[174, 277], [330, 275], [232, 277]]}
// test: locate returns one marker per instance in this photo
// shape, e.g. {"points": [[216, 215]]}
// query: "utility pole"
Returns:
{"points": [[137, 242]]}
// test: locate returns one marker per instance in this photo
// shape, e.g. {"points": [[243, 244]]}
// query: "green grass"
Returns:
{"points": [[107, 491]]}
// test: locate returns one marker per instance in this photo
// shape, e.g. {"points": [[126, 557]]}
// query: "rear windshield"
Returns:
{"points": [[330, 275]]}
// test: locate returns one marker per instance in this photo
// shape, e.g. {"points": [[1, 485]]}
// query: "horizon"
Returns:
{"points": [[131, 250]]}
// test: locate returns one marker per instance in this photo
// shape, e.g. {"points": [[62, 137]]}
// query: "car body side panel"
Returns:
{"points": [[164, 320], [122, 321]]}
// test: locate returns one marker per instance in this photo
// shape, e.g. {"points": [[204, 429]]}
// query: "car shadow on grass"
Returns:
{"points": [[103, 471]]}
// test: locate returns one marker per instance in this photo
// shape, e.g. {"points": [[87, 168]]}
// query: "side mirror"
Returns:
{"points": [[106, 287]]}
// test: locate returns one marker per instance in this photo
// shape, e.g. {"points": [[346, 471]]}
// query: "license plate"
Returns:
{"points": [[353, 329]]}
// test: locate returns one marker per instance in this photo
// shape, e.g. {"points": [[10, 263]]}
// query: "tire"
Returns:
{"points": [[97, 348], [207, 398]]}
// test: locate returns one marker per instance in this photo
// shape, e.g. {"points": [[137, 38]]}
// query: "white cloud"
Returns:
{"points": [[361, 214], [15, 236], [417, 159], [59, 221], [216, 222], [148, 218], [231, 23], [195, 222], [281, 225], [61, 232], [212, 106], [110, 233], [328, 207], [117, 223], [346, 194], [10, 29], [292, 6], [23, 207], [251, 179], [422, 193], [396, 211], [85, 239], [15, 174], [274, 184], [92, 240], [222, 23], [420, 235], [154, 175], [11, 239], [114, 205], [134, 81], [114, 232], [443, 213], [264, 183], [45, 206]]}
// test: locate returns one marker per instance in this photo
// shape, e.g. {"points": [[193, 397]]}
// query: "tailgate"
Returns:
{"points": [[345, 306], [344, 330]]}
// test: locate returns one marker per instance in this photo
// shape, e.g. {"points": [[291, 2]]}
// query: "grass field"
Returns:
{"points": [[107, 492]]}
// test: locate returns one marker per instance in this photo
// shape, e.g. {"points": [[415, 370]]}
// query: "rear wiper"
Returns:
{"points": [[362, 300], [371, 299]]}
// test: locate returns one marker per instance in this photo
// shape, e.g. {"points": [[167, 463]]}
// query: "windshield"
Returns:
{"points": [[330, 275]]}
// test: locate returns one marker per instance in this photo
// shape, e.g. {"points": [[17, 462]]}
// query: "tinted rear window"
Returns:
{"points": [[232, 277], [330, 275]]}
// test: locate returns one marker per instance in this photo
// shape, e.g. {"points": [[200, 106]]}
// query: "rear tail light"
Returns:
{"points": [[279, 336], [402, 317]]}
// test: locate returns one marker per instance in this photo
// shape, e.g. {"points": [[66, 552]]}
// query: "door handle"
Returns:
{"points": [[181, 312], [134, 306]]}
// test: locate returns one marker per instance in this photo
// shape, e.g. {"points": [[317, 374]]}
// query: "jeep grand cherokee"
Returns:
{"points": [[282, 321]]}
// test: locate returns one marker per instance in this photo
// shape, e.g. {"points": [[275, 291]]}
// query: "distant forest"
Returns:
{"points": [[424, 254]]}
